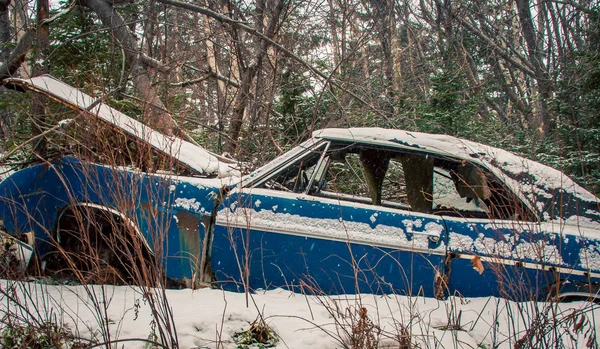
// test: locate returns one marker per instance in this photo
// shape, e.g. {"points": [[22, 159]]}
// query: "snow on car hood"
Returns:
{"points": [[549, 192], [188, 154]]}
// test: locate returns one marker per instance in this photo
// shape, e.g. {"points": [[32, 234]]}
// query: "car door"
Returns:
{"points": [[312, 225]]}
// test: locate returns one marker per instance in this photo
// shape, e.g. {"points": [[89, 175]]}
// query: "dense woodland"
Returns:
{"points": [[253, 78]]}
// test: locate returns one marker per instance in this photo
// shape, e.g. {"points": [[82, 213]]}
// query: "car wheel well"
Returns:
{"points": [[101, 245], [569, 291]]}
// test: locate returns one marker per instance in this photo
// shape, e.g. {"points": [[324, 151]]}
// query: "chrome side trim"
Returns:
{"points": [[305, 234], [530, 265], [496, 260]]}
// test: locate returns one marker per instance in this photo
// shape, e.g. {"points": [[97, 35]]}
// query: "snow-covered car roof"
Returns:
{"points": [[188, 154], [538, 184]]}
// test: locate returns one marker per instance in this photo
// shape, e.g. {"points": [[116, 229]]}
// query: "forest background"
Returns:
{"points": [[254, 78]]}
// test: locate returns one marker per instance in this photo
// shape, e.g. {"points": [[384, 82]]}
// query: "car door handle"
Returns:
{"points": [[433, 237]]}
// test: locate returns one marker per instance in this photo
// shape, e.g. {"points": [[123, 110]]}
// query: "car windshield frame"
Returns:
{"points": [[324, 146], [270, 169]]}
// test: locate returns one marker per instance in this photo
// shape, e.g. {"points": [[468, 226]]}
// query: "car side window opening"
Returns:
{"points": [[399, 179]]}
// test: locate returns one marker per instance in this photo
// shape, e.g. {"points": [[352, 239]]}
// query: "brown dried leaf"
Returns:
{"points": [[477, 265], [578, 325]]}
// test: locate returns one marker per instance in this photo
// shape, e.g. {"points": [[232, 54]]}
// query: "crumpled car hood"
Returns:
{"points": [[189, 155]]}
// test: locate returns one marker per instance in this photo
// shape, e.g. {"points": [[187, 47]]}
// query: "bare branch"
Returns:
{"points": [[574, 4], [61, 125], [191, 82], [208, 74], [250, 30], [159, 117], [496, 48], [17, 56], [153, 63]]}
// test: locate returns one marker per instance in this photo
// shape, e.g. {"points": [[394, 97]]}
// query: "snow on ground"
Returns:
{"points": [[209, 318]]}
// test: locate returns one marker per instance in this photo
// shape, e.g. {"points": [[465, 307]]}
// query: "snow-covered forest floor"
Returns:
{"points": [[209, 318]]}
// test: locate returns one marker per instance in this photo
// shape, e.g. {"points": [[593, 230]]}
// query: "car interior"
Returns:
{"points": [[406, 180]]}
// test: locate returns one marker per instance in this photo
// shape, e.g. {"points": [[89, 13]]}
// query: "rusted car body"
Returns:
{"points": [[347, 211]]}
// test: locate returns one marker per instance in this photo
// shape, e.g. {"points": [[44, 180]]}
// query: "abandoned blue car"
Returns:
{"points": [[349, 210]]}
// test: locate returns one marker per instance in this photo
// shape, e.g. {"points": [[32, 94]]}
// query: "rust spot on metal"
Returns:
{"points": [[189, 241], [189, 237]]}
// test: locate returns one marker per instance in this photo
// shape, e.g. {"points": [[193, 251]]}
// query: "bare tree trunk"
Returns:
{"points": [[333, 27], [470, 70], [248, 74], [4, 29], [541, 116], [41, 67], [239, 108], [17, 56], [154, 110], [212, 60], [241, 25], [18, 13], [4, 55], [384, 17]]}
